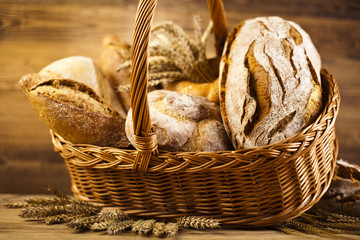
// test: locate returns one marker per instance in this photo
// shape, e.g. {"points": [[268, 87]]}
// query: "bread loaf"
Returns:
{"points": [[269, 82], [84, 70], [208, 90], [184, 122], [81, 69], [75, 111], [114, 53], [342, 196]]}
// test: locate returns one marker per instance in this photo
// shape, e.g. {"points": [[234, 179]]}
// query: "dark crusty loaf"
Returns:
{"points": [[269, 82], [75, 111]]}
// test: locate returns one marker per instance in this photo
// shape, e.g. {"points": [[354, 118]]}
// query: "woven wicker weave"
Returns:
{"points": [[249, 187]]}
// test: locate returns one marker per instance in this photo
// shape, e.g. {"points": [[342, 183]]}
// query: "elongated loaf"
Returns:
{"points": [[75, 111], [115, 52], [84, 70], [81, 69], [184, 122], [269, 82]]}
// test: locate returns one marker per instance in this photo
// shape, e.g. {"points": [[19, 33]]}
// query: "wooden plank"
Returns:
{"points": [[14, 227], [35, 33]]}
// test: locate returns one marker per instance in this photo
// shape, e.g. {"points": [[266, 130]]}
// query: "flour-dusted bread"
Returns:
{"points": [[184, 122], [75, 111], [269, 82]]}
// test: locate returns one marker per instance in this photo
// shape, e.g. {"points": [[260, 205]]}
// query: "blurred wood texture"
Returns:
{"points": [[35, 33]]}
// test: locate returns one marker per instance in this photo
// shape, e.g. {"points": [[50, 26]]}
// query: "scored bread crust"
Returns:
{"points": [[83, 70], [269, 82], [75, 111]]}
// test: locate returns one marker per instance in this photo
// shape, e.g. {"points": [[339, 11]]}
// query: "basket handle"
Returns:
{"points": [[144, 137]]}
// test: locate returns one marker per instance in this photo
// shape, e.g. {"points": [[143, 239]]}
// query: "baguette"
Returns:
{"points": [[115, 52]]}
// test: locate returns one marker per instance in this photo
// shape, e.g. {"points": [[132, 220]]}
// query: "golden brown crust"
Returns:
{"points": [[224, 68], [208, 90], [115, 52], [81, 69], [75, 111]]}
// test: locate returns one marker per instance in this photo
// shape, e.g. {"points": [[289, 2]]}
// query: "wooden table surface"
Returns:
{"points": [[14, 227], [33, 33]]}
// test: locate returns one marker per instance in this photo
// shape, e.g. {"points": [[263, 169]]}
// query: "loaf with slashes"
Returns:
{"points": [[72, 98], [270, 85]]}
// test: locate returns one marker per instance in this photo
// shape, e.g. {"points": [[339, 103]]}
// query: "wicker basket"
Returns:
{"points": [[249, 187]]}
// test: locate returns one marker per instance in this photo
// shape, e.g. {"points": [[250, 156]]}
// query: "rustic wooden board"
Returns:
{"points": [[14, 227], [35, 33]]}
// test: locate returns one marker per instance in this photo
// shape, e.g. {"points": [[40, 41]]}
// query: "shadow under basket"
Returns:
{"points": [[248, 187]]}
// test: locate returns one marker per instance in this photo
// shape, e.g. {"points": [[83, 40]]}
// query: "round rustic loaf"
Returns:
{"points": [[184, 122], [269, 82]]}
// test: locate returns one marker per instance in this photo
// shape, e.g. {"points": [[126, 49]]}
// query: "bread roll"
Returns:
{"points": [[184, 122], [269, 82], [208, 90], [75, 111]]}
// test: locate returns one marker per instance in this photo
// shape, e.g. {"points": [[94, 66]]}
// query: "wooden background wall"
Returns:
{"points": [[35, 33]]}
